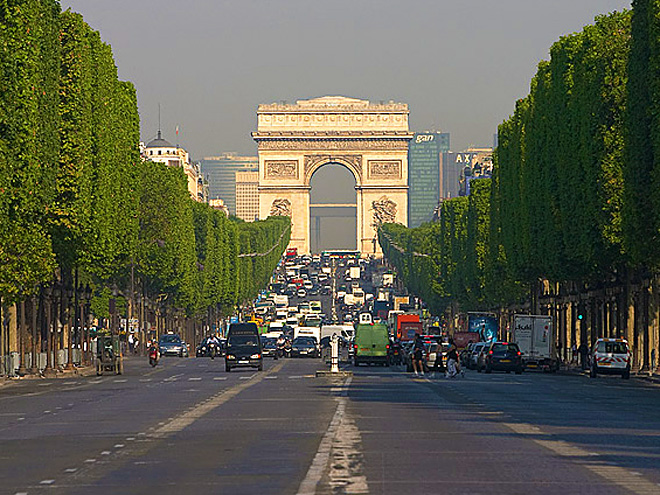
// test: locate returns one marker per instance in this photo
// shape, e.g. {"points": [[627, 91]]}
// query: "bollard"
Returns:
{"points": [[334, 346]]}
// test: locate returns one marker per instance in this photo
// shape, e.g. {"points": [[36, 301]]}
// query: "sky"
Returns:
{"points": [[460, 65]]}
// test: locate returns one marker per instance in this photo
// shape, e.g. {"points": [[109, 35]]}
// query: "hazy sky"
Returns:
{"points": [[459, 64]]}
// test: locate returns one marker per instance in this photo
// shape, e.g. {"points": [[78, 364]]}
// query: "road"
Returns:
{"points": [[189, 427]]}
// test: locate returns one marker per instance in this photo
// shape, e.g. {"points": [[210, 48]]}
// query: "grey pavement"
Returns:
{"points": [[187, 426]]}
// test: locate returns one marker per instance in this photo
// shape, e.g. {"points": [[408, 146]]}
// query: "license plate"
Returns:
{"points": [[505, 361], [531, 366], [243, 362], [604, 364]]}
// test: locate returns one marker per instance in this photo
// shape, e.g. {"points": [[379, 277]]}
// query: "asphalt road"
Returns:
{"points": [[189, 427]]}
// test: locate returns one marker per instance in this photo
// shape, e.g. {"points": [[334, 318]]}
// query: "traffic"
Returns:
{"points": [[312, 299]]}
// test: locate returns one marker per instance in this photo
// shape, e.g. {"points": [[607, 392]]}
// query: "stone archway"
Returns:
{"points": [[371, 140], [333, 208]]}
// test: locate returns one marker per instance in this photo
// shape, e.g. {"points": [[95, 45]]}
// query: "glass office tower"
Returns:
{"points": [[424, 175]]}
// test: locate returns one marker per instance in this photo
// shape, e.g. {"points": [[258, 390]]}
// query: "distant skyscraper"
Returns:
{"points": [[221, 173], [247, 195], [424, 175]]}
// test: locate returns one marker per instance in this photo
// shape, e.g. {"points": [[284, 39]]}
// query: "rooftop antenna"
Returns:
{"points": [[159, 134]]}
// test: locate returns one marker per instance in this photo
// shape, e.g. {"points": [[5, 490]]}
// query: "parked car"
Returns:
{"points": [[501, 356], [474, 356]]}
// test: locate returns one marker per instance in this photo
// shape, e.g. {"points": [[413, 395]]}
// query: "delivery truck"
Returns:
{"points": [[535, 338]]}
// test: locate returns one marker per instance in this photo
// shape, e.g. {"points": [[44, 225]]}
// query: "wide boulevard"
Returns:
{"points": [[187, 426]]}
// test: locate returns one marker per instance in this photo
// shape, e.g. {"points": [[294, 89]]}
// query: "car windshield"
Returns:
{"points": [[613, 347], [243, 340], [168, 339], [304, 341]]}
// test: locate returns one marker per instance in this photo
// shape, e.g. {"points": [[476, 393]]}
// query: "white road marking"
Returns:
{"points": [[194, 379], [189, 417], [611, 472], [119, 381], [90, 460], [71, 470], [106, 452], [220, 378], [143, 380], [46, 482], [130, 438], [271, 378], [119, 445], [340, 449]]}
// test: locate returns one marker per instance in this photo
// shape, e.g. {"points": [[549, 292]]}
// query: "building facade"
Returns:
{"points": [[247, 196], [425, 177], [161, 150], [220, 171]]}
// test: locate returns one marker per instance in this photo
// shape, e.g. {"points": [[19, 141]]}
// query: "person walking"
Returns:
{"points": [[418, 355], [583, 351], [453, 366]]}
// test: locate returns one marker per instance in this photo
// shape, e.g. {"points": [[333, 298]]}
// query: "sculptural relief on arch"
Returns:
{"points": [[370, 140]]}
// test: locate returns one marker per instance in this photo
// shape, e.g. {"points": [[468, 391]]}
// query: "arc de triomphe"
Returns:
{"points": [[370, 140]]}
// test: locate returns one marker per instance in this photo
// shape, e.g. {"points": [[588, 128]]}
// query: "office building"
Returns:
{"points": [[247, 195], [220, 172], [424, 175]]}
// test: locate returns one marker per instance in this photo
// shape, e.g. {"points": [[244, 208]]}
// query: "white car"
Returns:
{"points": [[610, 357]]}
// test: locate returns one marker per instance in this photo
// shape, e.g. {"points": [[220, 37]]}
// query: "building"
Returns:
{"points": [[218, 204], [247, 196], [425, 175], [161, 150], [220, 172]]}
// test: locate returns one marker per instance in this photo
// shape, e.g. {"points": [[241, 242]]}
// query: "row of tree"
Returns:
{"points": [[79, 206], [574, 201]]}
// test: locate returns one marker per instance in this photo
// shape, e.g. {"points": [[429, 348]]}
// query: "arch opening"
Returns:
{"points": [[333, 208]]}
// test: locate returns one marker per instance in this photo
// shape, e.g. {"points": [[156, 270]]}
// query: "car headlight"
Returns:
{"points": [[231, 356], [255, 356], [203, 348]]}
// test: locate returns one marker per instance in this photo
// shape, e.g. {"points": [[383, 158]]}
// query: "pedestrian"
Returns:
{"points": [[583, 351], [453, 366], [131, 343], [418, 355], [574, 353]]}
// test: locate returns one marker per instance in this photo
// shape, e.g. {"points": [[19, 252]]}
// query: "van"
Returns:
{"points": [[243, 347], [371, 344], [610, 357]]}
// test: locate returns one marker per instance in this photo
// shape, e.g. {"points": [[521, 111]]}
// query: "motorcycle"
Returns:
{"points": [[213, 349], [153, 356]]}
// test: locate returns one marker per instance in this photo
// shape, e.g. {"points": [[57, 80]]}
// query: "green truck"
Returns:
{"points": [[371, 344]]}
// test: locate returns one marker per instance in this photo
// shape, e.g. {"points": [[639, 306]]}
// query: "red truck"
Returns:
{"points": [[406, 325]]}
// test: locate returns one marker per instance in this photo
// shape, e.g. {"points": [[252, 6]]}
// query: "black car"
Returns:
{"points": [[304, 347], [269, 347], [172, 345], [501, 356]]}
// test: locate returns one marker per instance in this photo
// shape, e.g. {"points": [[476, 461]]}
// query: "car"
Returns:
{"points": [[610, 357], [501, 356], [302, 293], [474, 355], [171, 345], [269, 347], [304, 347]]}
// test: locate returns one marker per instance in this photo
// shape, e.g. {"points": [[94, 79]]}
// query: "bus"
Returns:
{"points": [[340, 254]]}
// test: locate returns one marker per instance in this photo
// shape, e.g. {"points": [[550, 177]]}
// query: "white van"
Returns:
{"points": [[610, 357]]}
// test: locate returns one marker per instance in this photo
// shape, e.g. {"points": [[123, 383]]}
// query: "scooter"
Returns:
{"points": [[213, 349], [153, 356]]}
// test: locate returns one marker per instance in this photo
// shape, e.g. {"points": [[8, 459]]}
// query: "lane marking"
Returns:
{"points": [[46, 482], [194, 379], [340, 451], [616, 475], [220, 378], [189, 417]]}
